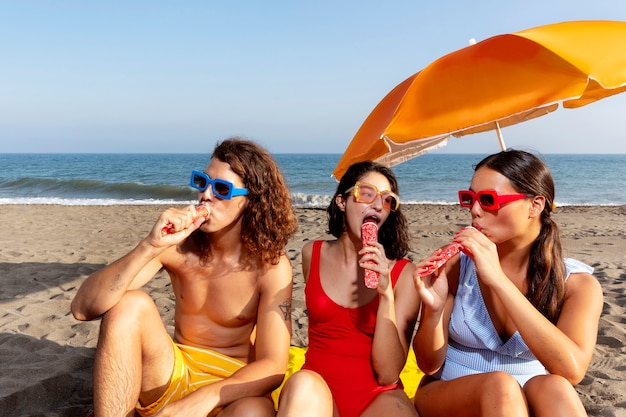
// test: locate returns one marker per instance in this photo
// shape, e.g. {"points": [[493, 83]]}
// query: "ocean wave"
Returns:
{"points": [[301, 201], [310, 200], [90, 201], [81, 189], [30, 190], [298, 199]]}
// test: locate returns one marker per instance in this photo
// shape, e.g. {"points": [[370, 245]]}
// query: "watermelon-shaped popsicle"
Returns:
{"points": [[369, 234], [446, 253]]}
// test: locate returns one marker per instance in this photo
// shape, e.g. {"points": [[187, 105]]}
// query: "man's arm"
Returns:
{"points": [[103, 289]]}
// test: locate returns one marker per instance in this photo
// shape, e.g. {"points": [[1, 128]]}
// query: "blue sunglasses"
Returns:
{"points": [[222, 189]]}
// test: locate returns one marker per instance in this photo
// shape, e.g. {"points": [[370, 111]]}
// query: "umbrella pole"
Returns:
{"points": [[500, 138]]}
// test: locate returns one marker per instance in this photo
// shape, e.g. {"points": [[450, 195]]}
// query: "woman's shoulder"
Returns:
{"points": [[579, 279], [308, 247], [403, 265], [315, 245], [573, 266]]}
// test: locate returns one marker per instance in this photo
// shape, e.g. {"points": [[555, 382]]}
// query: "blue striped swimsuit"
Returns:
{"points": [[474, 346]]}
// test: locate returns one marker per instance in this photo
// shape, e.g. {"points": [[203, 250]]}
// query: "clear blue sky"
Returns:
{"points": [[296, 76]]}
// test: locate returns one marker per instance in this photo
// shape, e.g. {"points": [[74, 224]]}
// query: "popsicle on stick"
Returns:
{"points": [[369, 234], [201, 211], [446, 254]]}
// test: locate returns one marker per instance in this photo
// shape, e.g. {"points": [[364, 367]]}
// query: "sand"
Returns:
{"points": [[46, 251]]}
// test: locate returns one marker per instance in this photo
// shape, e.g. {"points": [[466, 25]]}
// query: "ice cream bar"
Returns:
{"points": [[369, 234], [201, 211], [446, 253]]}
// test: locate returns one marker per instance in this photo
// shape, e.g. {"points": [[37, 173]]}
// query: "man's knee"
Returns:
{"points": [[131, 307]]}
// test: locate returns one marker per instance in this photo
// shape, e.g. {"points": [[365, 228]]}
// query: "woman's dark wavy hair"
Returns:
{"points": [[393, 234], [546, 270], [269, 220]]}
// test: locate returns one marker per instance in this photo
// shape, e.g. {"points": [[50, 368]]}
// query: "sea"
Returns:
{"points": [[140, 179]]}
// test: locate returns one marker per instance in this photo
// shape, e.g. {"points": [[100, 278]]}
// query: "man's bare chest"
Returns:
{"points": [[229, 298]]}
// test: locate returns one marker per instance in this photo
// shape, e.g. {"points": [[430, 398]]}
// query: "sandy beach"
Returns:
{"points": [[47, 251]]}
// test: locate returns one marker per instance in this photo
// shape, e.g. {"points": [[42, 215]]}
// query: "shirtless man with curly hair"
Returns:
{"points": [[232, 282]]}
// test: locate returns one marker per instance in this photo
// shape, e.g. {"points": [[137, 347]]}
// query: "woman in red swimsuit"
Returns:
{"points": [[358, 336]]}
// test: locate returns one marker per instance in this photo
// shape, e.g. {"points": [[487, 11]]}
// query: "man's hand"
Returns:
{"points": [[174, 225]]}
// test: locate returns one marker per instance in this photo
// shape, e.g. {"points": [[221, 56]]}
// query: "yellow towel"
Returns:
{"points": [[411, 375]]}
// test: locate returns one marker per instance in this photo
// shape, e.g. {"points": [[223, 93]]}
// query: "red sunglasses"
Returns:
{"points": [[488, 199]]}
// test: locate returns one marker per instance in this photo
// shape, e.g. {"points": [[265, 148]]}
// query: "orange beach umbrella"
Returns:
{"points": [[498, 82]]}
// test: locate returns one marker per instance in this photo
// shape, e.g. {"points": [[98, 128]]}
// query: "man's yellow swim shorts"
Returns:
{"points": [[193, 368]]}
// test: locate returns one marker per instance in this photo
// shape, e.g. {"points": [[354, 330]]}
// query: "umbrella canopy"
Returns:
{"points": [[495, 83]]}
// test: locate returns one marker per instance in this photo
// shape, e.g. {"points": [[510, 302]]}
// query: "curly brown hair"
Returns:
{"points": [[269, 220]]}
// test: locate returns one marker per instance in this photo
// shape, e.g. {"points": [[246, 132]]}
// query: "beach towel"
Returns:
{"points": [[411, 375]]}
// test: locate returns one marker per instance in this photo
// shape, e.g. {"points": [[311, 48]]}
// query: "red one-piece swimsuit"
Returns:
{"points": [[340, 343]]}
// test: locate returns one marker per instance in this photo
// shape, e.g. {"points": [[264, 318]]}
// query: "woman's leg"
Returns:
{"points": [[492, 394], [305, 394], [554, 396], [392, 403], [249, 407]]}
